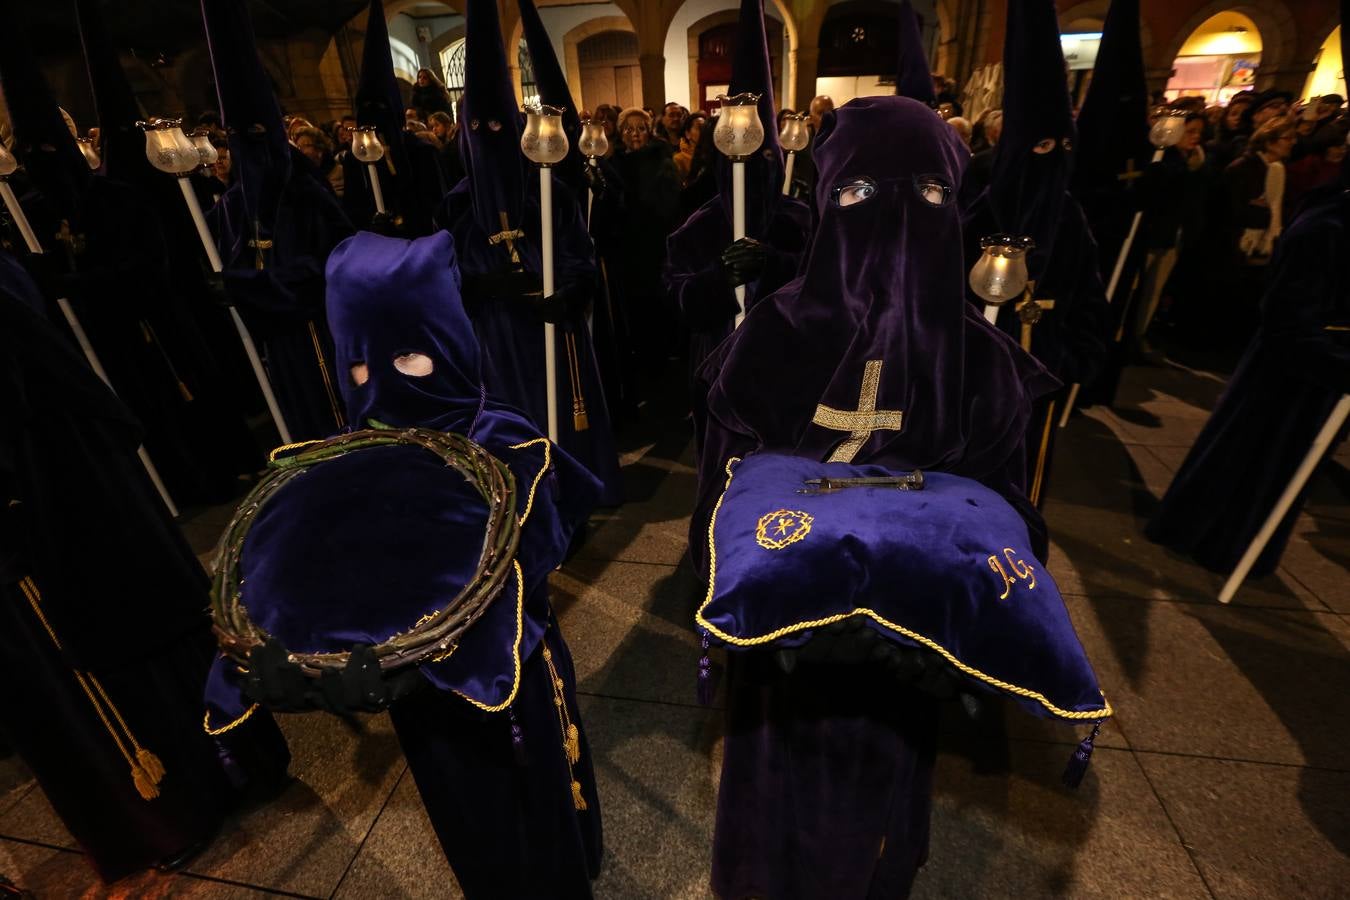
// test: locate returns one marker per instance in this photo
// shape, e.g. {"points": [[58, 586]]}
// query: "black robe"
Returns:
{"points": [[279, 291], [116, 268], [1070, 339], [104, 640], [1295, 370]]}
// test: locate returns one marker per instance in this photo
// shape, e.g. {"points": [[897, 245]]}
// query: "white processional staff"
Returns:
{"points": [[545, 143], [369, 149], [794, 137], [8, 164], [1166, 132], [1000, 276], [1339, 413], [171, 151], [738, 134]]}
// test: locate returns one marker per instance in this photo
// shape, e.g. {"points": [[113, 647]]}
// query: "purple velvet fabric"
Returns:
{"points": [[949, 566], [882, 281], [551, 83], [913, 80]]}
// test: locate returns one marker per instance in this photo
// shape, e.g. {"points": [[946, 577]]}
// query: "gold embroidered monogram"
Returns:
{"points": [[860, 424], [782, 527], [1021, 571]]}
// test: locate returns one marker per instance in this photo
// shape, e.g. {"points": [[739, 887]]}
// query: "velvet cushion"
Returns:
{"points": [[948, 568]]}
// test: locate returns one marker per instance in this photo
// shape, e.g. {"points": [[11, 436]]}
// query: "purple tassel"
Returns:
{"points": [[1078, 763], [705, 679], [517, 738]]}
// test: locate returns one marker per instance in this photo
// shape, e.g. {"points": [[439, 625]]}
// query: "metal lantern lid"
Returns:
{"points": [[544, 142], [739, 131]]}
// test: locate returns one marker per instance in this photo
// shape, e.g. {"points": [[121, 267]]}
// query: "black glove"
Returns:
{"points": [[510, 285], [386, 225], [216, 294], [360, 686], [596, 181], [744, 260], [568, 303]]}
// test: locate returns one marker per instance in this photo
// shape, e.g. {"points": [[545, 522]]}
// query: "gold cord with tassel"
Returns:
{"points": [[571, 734], [146, 769], [580, 421]]}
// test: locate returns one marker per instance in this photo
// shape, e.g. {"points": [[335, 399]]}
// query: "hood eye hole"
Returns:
{"points": [[414, 364], [1045, 146], [473, 124], [494, 125], [933, 190], [854, 192], [360, 373], [1067, 143]]}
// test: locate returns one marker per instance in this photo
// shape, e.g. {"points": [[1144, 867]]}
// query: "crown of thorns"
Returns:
{"points": [[435, 634]]}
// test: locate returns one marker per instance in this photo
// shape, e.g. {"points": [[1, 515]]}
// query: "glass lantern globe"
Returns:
{"points": [[544, 142], [795, 134], [8, 164], [206, 151], [593, 141], [366, 145], [1167, 131], [168, 149], [739, 131], [1000, 274], [90, 154]]}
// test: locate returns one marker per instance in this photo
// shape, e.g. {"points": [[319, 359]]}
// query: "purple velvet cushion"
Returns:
{"points": [[948, 568]]}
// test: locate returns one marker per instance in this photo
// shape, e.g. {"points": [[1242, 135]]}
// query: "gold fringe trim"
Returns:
{"points": [[146, 769]]}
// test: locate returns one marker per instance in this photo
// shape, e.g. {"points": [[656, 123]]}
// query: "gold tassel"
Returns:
{"points": [[147, 787], [151, 764], [580, 421], [573, 744], [577, 800]]}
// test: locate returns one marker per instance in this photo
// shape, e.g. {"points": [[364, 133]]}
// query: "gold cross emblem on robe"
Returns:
{"points": [[1130, 173], [259, 244], [1029, 311], [863, 422], [509, 236]]}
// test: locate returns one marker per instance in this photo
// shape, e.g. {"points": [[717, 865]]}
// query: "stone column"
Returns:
{"points": [[653, 67], [808, 59]]}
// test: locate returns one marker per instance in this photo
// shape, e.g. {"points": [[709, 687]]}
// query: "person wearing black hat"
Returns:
{"points": [[703, 263], [275, 226], [1063, 318]]}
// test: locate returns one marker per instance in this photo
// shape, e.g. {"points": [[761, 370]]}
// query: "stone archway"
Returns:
{"points": [[1280, 65]]}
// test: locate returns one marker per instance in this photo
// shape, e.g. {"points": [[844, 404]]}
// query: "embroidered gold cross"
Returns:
{"points": [[1130, 173], [259, 244], [1029, 312], [864, 421], [73, 242], [509, 235]]}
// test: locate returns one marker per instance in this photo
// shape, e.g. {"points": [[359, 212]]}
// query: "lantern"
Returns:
{"points": [[206, 151], [89, 152], [1167, 131], [544, 142], [366, 145], [739, 131], [795, 134], [593, 141], [168, 149], [8, 164], [1000, 274]]}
